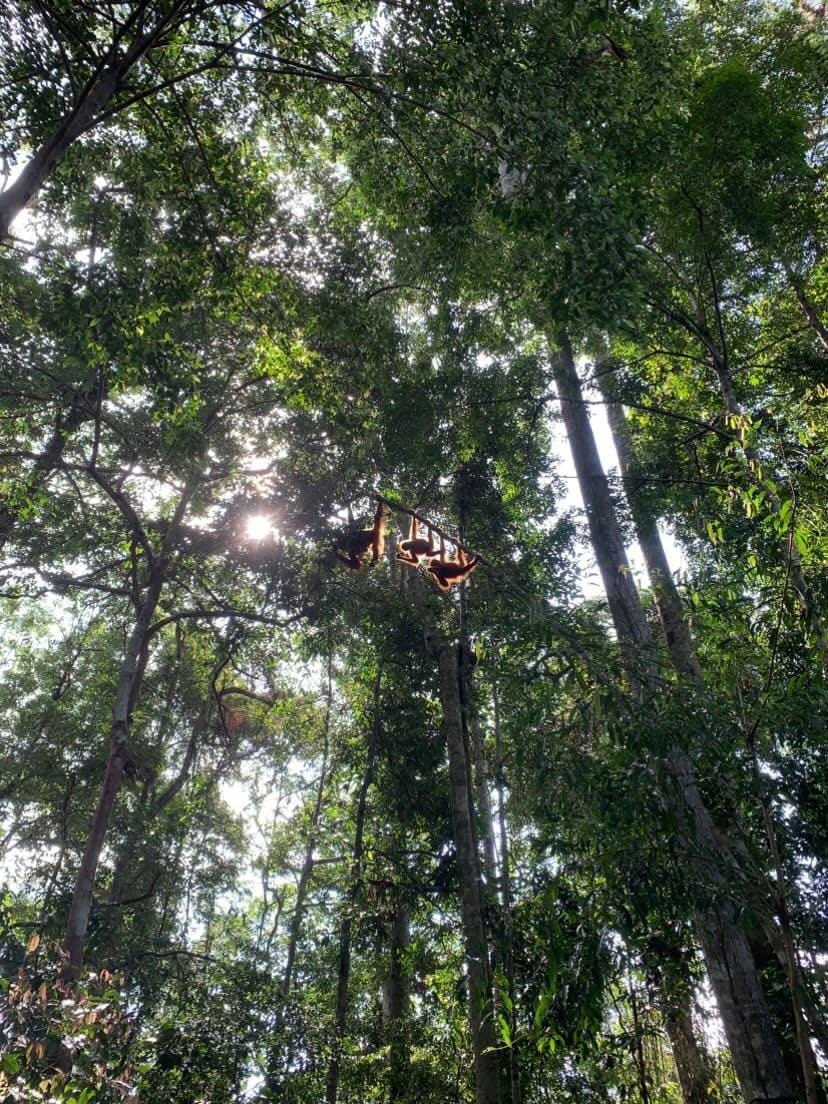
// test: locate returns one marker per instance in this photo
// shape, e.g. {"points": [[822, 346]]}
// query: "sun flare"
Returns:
{"points": [[259, 526]]}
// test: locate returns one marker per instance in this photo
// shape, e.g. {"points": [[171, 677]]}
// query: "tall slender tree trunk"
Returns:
{"points": [[127, 690], [637, 1046], [789, 955], [474, 934], [754, 1047], [395, 999], [691, 1060], [682, 653], [506, 903], [279, 1053], [479, 768], [129, 678], [605, 533], [691, 1063], [310, 844], [344, 967], [667, 598]]}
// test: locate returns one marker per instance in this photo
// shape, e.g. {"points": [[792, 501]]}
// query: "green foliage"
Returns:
{"points": [[274, 280], [63, 1041]]}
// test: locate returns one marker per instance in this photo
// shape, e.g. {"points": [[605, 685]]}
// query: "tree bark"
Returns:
{"points": [[637, 1047], [100, 89], [310, 844], [395, 997], [126, 692], [506, 903], [685, 661], [479, 767], [667, 598], [344, 967], [692, 1064], [130, 678], [629, 621], [789, 955], [487, 1077], [757, 1057]]}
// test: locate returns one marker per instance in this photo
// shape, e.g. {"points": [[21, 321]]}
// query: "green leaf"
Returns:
{"points": [[11, 1064]]}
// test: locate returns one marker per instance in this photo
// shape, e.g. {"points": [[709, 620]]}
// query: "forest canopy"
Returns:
{"points": [[413, 545]]}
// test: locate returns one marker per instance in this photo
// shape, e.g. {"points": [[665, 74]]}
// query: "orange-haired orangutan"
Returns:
{"points": [[409, 551], [353, 548], [447, 573]]}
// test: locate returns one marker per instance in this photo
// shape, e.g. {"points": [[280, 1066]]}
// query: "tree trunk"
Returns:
{"points": [[755, 1049], [35, 174], [771, 941], [479, 771], [125, 695], [344, 968], [484, 1041], [789, 956], [100, 89], [629, 621], [506, 903], [637, 1047], [395, 997], [692, 1064], [666, 595], [683, 656], [310, 845]]}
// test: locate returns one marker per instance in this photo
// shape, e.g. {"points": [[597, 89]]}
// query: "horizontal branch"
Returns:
{"points": [[242, 692], [214, 615], [706, 426], [434, 528]]}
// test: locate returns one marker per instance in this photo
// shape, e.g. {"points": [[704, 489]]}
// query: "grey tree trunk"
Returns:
{"points": [[683, 656], [479, 768], [757, 1057], [506, 903], [814, 616], [310, 844], [127, 690], [481, 1012], [125, 695], [692, 1063], [605, 533], [667, 598], [344, 968], [395, 999]]}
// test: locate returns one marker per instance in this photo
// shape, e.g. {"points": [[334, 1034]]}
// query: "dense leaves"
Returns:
{"points": [[264, 262]]}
